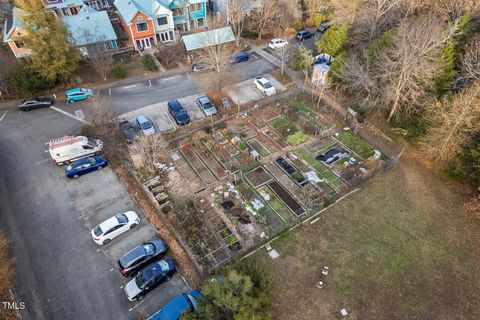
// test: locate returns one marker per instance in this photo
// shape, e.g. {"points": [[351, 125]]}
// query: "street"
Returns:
{"points": [[61, 273]]}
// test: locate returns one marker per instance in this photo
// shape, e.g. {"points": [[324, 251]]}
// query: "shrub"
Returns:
{"points": [[119, 72], [149, 62], [27, 81], [298, 25], [249, 34], [334, 40], [297, 138]]}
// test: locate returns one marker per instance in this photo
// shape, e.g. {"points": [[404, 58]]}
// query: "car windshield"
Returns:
{"points": [[164, 265], [267, 85], [91, 160], [149, 249], [121, 218], [207, 105], [140, 281], [97, 231], [92, 142], [145, 125], [83, 90]]}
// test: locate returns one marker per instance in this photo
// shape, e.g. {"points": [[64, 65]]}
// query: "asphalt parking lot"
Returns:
{"points": [[158, 112], [98, 196], [245, 91]]}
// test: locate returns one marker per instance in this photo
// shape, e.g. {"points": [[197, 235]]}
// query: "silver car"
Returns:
{"points": [[207, 106], [146, 125]]}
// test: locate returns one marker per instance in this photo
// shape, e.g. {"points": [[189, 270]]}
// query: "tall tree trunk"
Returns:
{"points": [[394, 108]]}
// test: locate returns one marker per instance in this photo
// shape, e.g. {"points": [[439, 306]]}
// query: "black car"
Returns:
{"points": [[324, 26], [35, 103], [332, 155], [303, 35], [178, 113], [140, 256], [129, 130]]}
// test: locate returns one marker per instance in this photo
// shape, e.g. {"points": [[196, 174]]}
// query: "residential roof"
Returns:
{"points": [[12, 22], [89, 27], [208, 38], [129, 8], [65, 4]]}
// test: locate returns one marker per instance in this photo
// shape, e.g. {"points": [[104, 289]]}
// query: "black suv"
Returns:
{"points": [[140, 256], [178, 113], [303, 35]]}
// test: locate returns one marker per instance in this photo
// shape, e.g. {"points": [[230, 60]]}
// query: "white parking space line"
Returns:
{"points": [[129, 87], [169, 118], [3, 115], [41, 161], [68, 114]]}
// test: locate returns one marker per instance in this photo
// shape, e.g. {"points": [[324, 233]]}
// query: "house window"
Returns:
{"points": [[19, 44], [177, 11], [200, 22], [195, 7], [142, 26], [162, 21]]}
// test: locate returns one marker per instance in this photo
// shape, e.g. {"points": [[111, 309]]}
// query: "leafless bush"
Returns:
{"points": [[153, 148], [102, 63], [470, 61], [169, 54]]}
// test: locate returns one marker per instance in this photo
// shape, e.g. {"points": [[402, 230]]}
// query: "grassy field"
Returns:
{"points": [[399, 248]]}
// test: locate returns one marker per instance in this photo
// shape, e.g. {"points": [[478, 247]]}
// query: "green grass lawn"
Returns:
{"points": [[322, 170], [400, 248], [356, 143]]}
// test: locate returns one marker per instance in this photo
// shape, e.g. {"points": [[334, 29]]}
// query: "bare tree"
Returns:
{"points": [[237, 11], [169, 54], [313, 6], [379, 9], [264, 15], [470, 61], [216, 50], [454, 124], [102, 62], [153, 148], [103, 124]]}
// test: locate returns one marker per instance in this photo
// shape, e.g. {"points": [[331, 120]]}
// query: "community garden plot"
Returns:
{"points": [[197, 165], [187, 172]]}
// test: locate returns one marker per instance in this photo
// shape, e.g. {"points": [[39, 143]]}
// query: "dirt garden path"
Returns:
{"points": [[400, 248]]}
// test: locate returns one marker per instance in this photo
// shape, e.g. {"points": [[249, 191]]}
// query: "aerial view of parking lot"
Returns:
{"points": [[232, 160]]}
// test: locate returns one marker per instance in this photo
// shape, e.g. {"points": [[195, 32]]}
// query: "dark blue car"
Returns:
{"points": [[178, 112], [241, 56], [84, 166], [178, 306]]}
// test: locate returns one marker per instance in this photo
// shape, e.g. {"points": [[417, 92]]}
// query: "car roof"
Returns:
{"points": [[276, 39], [175, 104], [142, 119], [203, 99], [132, 255], [153, 270], [109, 223], [262, 79], [74, 90]]}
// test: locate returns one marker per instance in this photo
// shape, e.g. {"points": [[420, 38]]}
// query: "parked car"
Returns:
{"points": [[145, 125], [149, 278], [35, 103], [140, 256], [84, 166], [78, 94], [114, 226], [129, 130], [324, 26], [265, 87], [200, 67], [66, 149], [178, 112], [277, 43], [332, 155], [206, 105], [303, 35], [241, 56], [179, 305]]}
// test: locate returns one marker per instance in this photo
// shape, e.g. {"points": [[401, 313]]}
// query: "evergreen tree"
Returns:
{"points": [[334, 41], [54, 59]]}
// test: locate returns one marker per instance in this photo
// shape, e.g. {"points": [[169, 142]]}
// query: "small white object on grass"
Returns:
{"points": [[273, 254], [268, 247], [344, 312], [325, 270]]}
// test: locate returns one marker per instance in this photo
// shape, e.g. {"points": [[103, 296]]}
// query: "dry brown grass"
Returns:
{"points": [[7, 273]]}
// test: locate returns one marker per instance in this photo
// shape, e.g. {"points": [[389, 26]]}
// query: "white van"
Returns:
{"points": [[69, 148]]}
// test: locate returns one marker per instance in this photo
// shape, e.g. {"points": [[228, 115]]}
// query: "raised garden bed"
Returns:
{"points": [[268, 143], [321, 146], [210, 161], [224, 158], [253, 143], [356, 143], [276, 204], [231, 150], [286, 198], [276, 137], [196, 164], [258, 177], [322, 171]]}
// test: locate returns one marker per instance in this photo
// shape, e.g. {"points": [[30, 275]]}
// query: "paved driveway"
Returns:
{"points": [[245, 91], [158, 112], [61, 272]]}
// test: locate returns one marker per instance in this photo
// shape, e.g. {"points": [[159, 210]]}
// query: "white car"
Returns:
{"points": [[277, 43], [265, 87], [114, 226]]}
